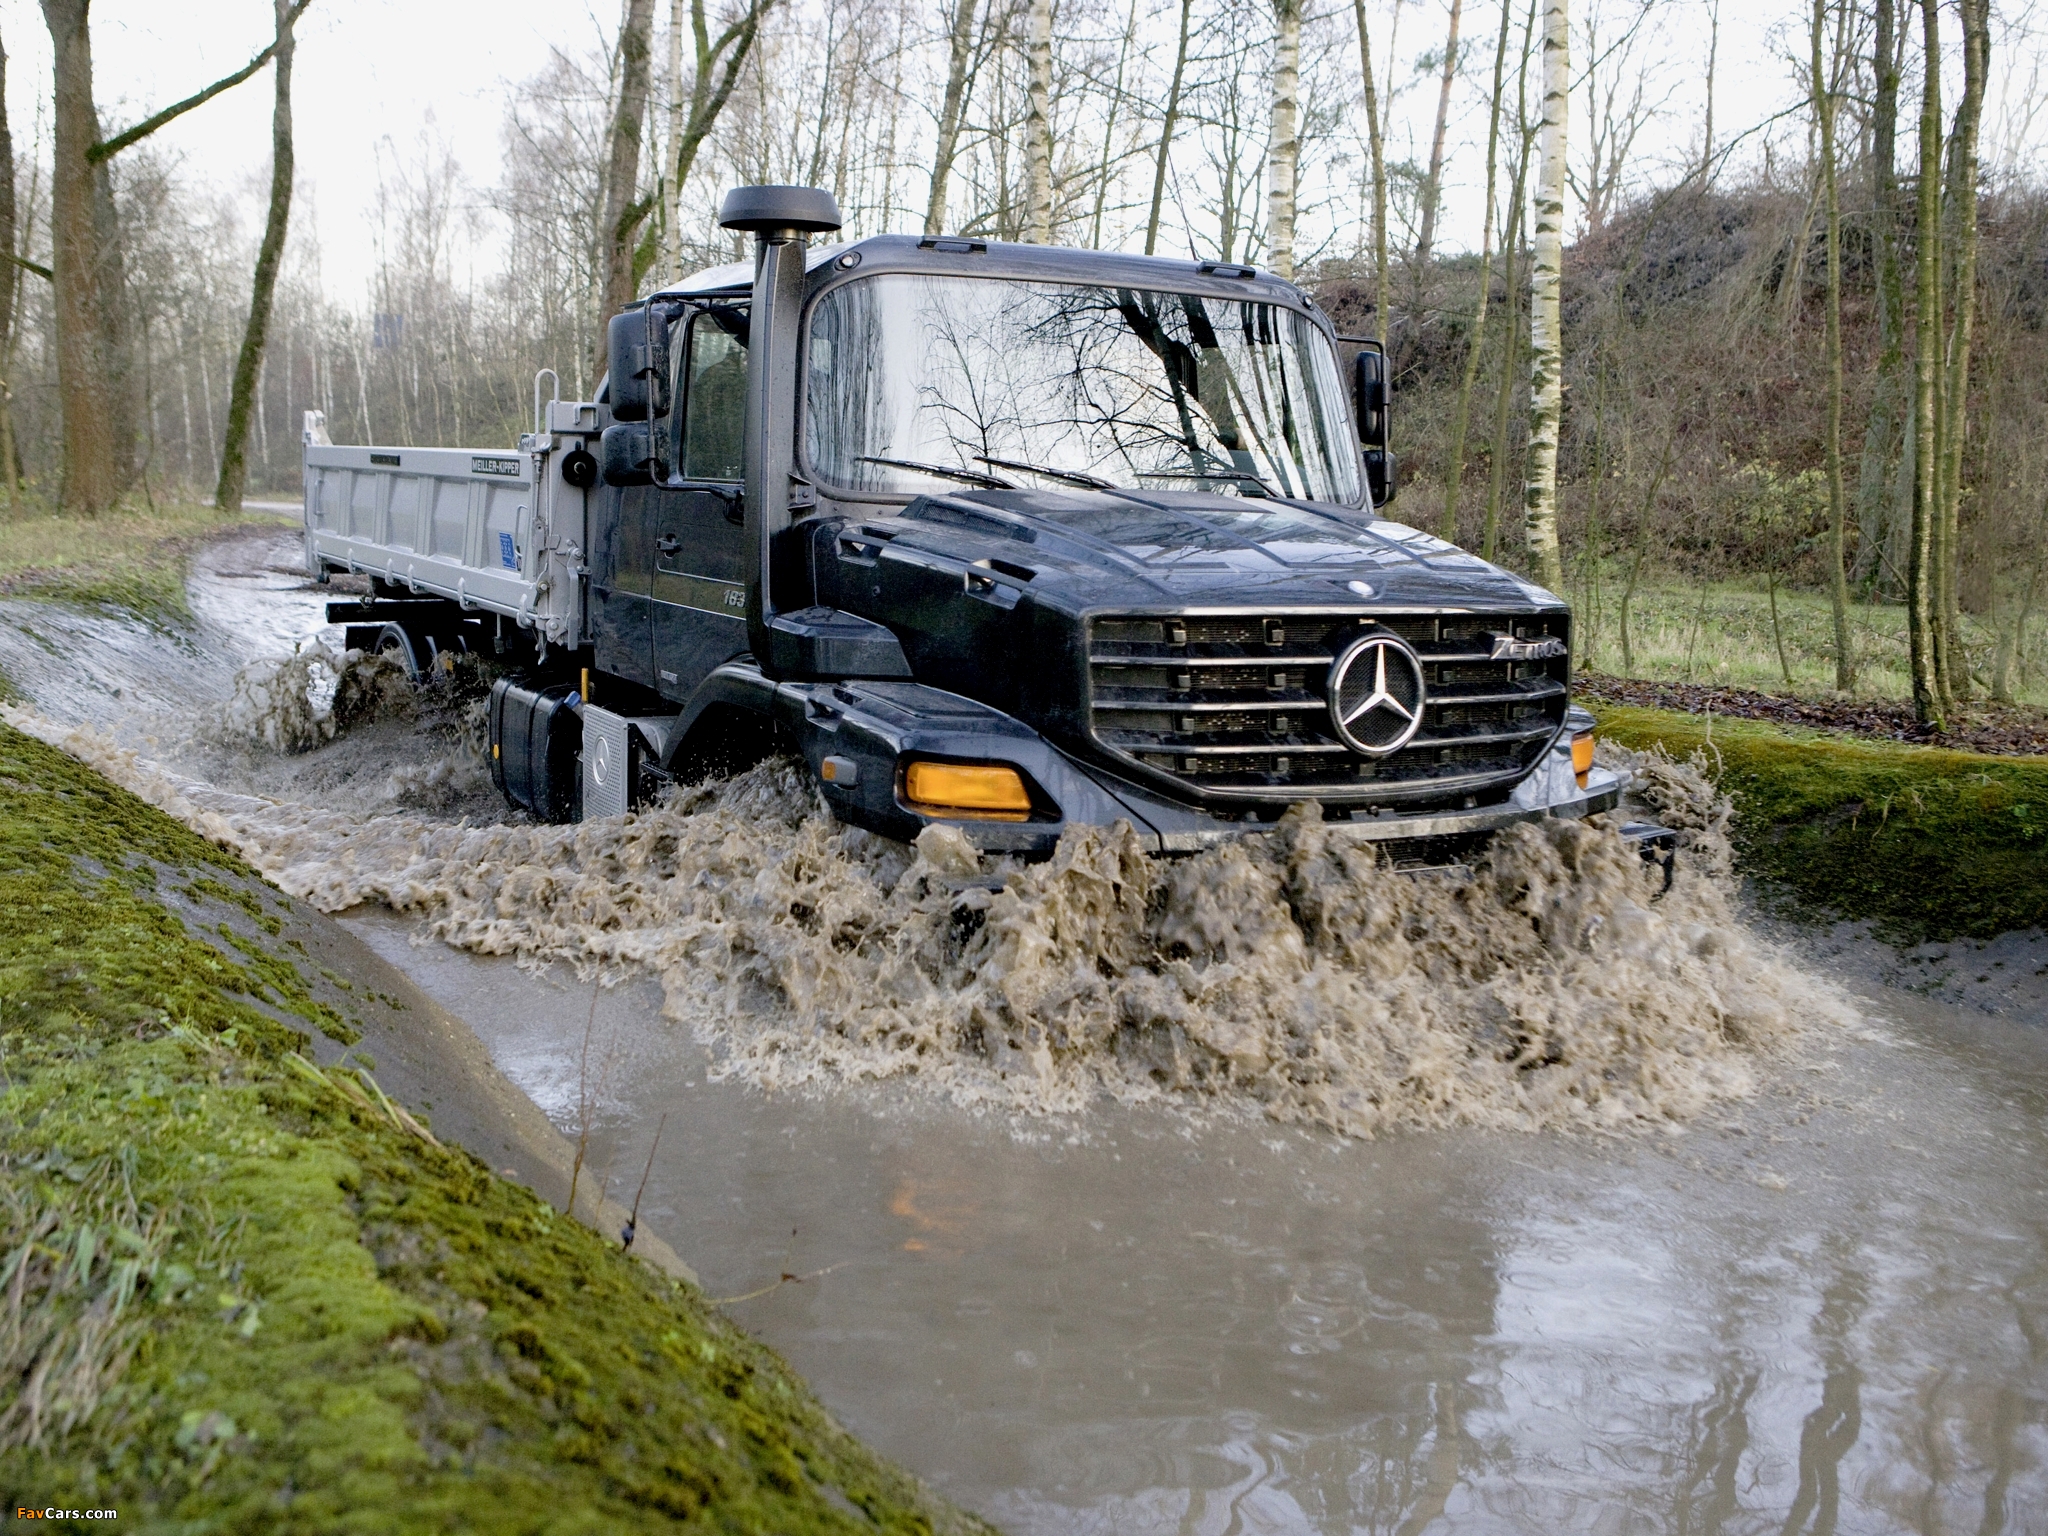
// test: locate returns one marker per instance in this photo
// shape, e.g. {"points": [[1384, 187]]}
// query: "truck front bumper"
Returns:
{"points": [[871, 729]]}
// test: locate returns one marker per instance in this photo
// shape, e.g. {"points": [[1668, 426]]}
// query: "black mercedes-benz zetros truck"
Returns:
{"points": [[1007, 537]]}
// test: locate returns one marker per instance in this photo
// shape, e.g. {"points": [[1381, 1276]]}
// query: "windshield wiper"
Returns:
{"points": [[945, 472], [1073, 476], [1243, 475]]}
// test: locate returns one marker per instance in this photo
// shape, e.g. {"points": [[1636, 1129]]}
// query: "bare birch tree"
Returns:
{"points": [[1283, 146], [671, 212], [1546, 338], [1038, 126]]}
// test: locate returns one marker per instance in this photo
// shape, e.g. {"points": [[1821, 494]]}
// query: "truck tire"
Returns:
{"points": [[414, 653]]}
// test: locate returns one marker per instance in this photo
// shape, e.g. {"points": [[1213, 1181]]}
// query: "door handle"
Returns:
{"points": [[668, 544]]}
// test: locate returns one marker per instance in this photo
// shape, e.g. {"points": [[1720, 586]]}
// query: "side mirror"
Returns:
{"points": [[1382, 478], [1369, 396], [637, 343], [626, 453]]}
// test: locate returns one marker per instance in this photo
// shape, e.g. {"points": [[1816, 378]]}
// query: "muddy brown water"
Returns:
{"points": [[1818, 1306]]}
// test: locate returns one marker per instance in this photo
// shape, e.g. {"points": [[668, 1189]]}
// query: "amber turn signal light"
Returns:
{"points": [[1582, 756], [987, 790]]}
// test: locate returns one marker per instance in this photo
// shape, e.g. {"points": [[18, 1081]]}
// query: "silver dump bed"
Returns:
{"points": [[498, 530]]}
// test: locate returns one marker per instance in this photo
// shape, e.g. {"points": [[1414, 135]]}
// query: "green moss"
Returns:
{"points": [[324, 1322], [1928, 843], [151, 588]]}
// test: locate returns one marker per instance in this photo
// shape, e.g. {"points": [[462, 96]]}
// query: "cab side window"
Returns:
{"points": [[714, 402]]}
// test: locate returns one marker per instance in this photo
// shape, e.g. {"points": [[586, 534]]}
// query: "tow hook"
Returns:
{"points": [[1657, 845]]}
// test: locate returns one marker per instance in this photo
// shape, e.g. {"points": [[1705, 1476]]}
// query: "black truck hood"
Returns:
{"points": [[1146, 548]]}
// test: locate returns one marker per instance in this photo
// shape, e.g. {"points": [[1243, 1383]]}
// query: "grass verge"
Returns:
{"points": [[1926, 843], [239, 1291], [1721, 633], [131, 559]]}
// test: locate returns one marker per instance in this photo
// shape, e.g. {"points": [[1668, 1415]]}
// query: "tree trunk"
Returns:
{"points": [[1116, 101], [234, 468], [1432, 181], [671, 221], [1876, 481], [10, 285], [1283, 145], [623, 210], [1951, 663], [718, 63], [2011, 638], [1546, 340], [950, 113], [1713, 60], [1038, 127], [89, 480], [1454, 464], [86, 276], [1377, 149], [1511, 342], [1166, 127], [1920, 611], [1838, 575]]}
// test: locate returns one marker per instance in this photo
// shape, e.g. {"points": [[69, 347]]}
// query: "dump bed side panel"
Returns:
{"points": [[454, 522]]}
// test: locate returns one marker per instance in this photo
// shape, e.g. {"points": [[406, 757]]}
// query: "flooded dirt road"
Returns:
{"points": [[1816, 1300]]}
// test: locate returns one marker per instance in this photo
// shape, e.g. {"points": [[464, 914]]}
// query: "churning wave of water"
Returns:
{"points": [[1292, 972]]}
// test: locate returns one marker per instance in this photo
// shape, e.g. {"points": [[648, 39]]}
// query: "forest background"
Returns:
{"points": [[1384, 151]]}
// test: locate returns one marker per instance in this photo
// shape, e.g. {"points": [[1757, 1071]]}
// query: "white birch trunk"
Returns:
{"points": [[671, 212], [1283, 151], [1546, 340], [1038, 128]]}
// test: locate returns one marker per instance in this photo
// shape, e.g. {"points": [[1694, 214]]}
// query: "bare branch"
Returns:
{"points": [[106, 149]]}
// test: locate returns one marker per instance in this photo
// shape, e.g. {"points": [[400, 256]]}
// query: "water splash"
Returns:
{"points": [[298, 702], [1291, 972]]}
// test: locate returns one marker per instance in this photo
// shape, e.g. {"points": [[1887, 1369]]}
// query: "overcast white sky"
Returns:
{"points": [[369, 71]]}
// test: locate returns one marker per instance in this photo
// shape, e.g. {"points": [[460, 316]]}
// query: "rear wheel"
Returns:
{"points": [[413, 653]]}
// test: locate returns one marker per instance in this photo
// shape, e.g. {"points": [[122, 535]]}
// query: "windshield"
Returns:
{"points": [[921, 382]]}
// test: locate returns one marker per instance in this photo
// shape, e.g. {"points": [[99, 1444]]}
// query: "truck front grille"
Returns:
{"points": [[1235, 708]]}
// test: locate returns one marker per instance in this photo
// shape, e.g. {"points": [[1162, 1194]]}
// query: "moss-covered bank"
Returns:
{"points": [[1925, 842], [239, 1291], [131, 558]]}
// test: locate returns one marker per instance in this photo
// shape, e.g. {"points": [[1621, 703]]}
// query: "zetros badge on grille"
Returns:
{"points": [[1376, 694]]}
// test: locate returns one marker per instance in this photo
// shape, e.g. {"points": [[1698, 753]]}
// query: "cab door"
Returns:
{"points": [[697, 528]]}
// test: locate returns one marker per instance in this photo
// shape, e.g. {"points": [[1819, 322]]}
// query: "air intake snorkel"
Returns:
{"points": [[782, 220]]}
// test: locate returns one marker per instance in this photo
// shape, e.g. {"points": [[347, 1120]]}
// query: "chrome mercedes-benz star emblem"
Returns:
{"points": [[1376, 694]]}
